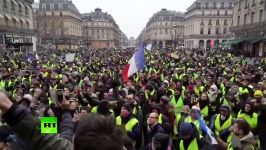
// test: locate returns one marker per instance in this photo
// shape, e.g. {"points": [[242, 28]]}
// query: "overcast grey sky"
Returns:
{"points": [[131, 15]]}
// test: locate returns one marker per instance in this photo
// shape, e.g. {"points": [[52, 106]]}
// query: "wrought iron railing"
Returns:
{"points": [[18, 30], [249, 26]]}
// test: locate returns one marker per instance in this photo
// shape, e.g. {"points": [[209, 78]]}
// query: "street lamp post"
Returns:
{"points": [[175, 39]]}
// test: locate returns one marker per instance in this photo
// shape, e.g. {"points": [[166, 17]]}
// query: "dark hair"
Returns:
{"points": [[96, 132], [243, 125]]}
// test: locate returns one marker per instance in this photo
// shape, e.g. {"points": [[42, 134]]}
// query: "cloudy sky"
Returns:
{"points": [[131, 15]]}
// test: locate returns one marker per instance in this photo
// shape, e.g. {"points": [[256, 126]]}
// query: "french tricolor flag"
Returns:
{"points": [[135, 63]]}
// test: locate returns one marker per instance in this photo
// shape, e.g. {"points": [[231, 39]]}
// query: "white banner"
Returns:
{"points": [[70, 57]]}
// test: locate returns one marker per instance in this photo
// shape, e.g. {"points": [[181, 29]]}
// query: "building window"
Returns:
{"points": [[217, 22], [198, 5], [202, 13], [261, 1], [60, 6], [225, 30], [202, 22], [225, 13], [52, 13], [210, 22], [253, 3], [214, 5], [12, 6], [238, 20], [206, 5], [239, 6], [166, 31], [222, 6], [43, 6], [252, 17], [51, 6], [20, 8], [4, 4], [261, 15], [230, 5], [98, 36], [61, 14], [92, 24], [26, 10], [209, 31], [225, 22], [218, 13], [201, 31], [245, 19], [166, 24], [246, 4], [217, 31]]}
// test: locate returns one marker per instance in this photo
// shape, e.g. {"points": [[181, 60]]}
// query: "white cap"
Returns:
{"points": [[214, 87], [86, 79], [28, 96], [195, 108]]}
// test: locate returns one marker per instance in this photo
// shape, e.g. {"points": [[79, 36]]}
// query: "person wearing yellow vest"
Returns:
{"points": [[221, 123], [204, 105], [179, 118], [130, 123], [192, 118], [177, 100], [190, 138], [103, 108], [249, 115], [241, 133]]}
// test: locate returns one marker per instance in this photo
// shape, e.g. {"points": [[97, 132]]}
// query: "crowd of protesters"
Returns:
{"points": [[169, 105]]}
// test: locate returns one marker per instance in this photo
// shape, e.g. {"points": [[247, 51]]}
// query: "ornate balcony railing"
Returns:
{"points": [[17, 30], [257, 25]]}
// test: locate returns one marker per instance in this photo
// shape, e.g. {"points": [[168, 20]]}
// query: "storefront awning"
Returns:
{"points": [[234, 41]]}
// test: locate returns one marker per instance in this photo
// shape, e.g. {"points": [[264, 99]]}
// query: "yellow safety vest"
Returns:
{"points": [[242, 90], [199, 90], [129, 125], [205, 111], [226, 124], [147, 95], [178, 104], [253, 121], [94, 109], [195, 122], [177, 119], [192, 146]]}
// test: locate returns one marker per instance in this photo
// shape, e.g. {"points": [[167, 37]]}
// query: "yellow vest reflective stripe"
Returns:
{"points": [[177, 119], [135, 110], [192, 146], [198, 90], [195, 122], [55, 87], [226, 124], [2, 84], [94, 109], [160, 119], [129, 125], [205, 111], [253, 121], [242, 90], [178, 104], [50, 101]]}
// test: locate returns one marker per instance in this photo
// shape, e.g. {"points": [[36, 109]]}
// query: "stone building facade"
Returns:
{"points": [[59, 24], [208, 21], [101, 30], [16, 26], [165, 29], [249, 27]]}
